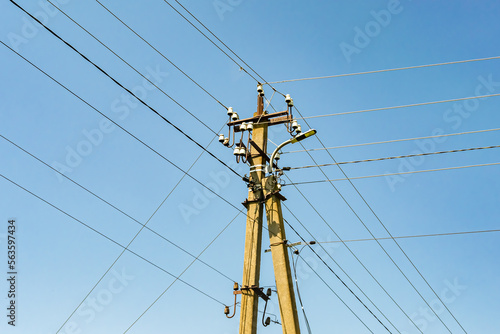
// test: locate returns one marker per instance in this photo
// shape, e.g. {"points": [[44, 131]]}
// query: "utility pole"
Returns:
{"points": [[262, 190], [253, 235], [279, 251]]}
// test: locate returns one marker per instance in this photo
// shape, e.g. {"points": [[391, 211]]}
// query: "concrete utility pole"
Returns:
{"points": [[279, 250], [262, 190], [253, 235]]}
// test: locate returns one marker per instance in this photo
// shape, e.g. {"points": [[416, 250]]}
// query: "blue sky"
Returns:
{"points": [[60, 260]]}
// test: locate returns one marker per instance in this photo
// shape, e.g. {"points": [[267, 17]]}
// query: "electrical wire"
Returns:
{"points": [[125, 130], [199, 30], [268, 104], [178, 278], [357, 259], [333, 291], [401, 106], [399, 157], [392, 141], [121, 127], [138, 72], [155, 49], [132, 240], [135, 220], [210, 31], [241, 68], [136, 138], [386, 70], [126, 89], [340, 279], [111, 240], [143, 226], [392, 174], [385, 228], [294, 264], [411, 236], [345, 273]]}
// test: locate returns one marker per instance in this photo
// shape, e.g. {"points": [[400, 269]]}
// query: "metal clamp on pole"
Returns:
{"points": [[267, 321], [226, 308]]}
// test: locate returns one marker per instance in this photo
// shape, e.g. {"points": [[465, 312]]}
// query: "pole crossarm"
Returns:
{"points": [[263, 118]]}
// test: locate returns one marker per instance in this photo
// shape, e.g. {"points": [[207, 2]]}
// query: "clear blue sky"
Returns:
{"points": [[60, 260]]}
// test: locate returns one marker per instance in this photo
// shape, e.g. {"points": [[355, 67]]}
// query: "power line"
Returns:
{"points": [[129, 133], [402, 106], [127, 90], [340, 267], [137, 234], [332, 184], [121, 127], [392, 141], [386, 70], [125, 130], [112, 240], [392, 174], [200, 33], [411, 236], [133, 136], [149, 44], [333, 291], [182, 273], [210, 31], [121, 211], [294, 264], [399, 157], [371, 233], [340, 279], [355, 256]]}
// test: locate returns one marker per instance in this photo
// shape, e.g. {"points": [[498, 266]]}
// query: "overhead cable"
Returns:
{"points": [[411, 236], [392, 174], [150, 45], [121, 127], [126, 89], [262, 80], [392, 141], [110, 239], [401, 106], [178, 277], [371, 233], [386, 70], [399, 157], [341, 281], [357, 259], [144, 226]]}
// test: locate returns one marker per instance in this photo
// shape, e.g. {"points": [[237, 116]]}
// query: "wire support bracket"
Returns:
{"points": [[273, 118]]}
